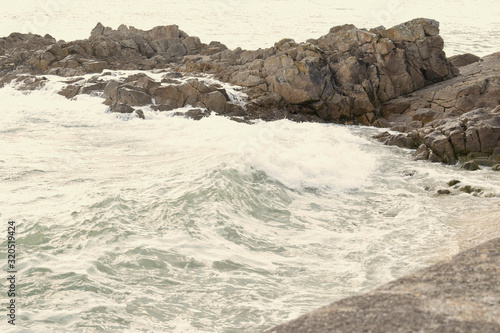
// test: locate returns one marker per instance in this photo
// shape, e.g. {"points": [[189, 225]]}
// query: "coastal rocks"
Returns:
{"points": [[121, 108], [471, 166], [452, 139], [460, 295], [124, 93], [130, 96], [343, 76], [459, 118], [400, 140], [69, 91], [455, 187], [477, 86]]}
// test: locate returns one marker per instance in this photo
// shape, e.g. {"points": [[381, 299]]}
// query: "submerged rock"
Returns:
{"points": [[471, 166]]}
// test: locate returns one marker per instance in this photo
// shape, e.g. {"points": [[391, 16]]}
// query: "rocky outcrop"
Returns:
{"points": [[397, 78], [342, 76], [462, 295], [457, 119]]}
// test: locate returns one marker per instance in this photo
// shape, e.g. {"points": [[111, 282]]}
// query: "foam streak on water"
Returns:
{"points": [[170, 224]]}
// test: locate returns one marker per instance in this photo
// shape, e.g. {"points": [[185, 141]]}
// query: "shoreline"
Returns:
{"points": [[397, 78]]}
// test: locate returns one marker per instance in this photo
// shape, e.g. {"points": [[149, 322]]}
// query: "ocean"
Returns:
{"points": [[174, 225]]}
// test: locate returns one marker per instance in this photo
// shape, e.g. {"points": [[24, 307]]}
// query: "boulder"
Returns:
{"points": [[215, 101], [145, 83], [95, 66], [69, 91], [165, 94], [195, 114], [463, 59], [140, 114], [400, 140], [110, 89], [129, 96]]}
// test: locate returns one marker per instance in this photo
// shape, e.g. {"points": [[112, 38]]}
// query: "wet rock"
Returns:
{"points": [[110, 89], [440, 145], [140, 114], [496, 167], [167, 94], [145, 83], [471, 166], [70, 91], [496, 154], [449, 139], [453, 182], [400, 140], [195, 114], [121, 108], [215, 101], [168, 105], [92, 88], [469, 189], [422, 153]]}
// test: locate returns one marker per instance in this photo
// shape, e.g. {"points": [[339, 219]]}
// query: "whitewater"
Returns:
{"points": [[168, 224]]}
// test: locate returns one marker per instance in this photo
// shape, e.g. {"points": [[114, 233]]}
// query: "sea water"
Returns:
{"points": [[174, 225]]}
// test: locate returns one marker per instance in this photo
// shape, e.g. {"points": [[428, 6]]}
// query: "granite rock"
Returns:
{"points": [[461, 295]]}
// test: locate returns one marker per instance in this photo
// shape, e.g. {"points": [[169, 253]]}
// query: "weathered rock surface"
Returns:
{"points": [[462, 295], [398, 78], [343, 76], [457, 119], [463, 59], [124, 48]]}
